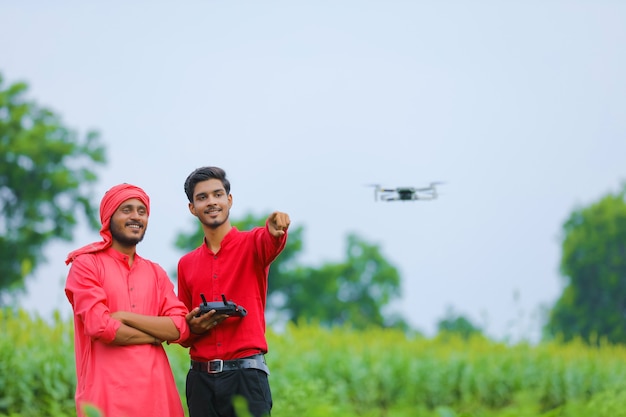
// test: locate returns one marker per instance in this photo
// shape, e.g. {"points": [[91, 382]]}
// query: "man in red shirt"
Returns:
{"points": [[227, 353], [124, 308]]}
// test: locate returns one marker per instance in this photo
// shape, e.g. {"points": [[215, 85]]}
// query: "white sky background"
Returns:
{"points": [[520, 107]]}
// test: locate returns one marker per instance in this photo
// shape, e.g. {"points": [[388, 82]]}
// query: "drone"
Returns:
{"points": [[406, 193]]}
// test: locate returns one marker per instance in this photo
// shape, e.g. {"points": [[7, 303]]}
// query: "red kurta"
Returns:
{"points": [[122, 381], [239, 271]]}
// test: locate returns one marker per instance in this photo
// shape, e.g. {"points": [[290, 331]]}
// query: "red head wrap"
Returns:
{"points": [[110, 202]]}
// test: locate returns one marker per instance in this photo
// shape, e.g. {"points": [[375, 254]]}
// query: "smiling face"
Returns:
{"points": [[211, 204], [129, 223]]}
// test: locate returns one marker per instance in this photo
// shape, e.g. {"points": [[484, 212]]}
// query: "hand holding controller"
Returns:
{"points": [[221, 307]]}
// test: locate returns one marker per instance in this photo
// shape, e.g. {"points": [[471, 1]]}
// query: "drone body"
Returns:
{"points": [[406, 193]]}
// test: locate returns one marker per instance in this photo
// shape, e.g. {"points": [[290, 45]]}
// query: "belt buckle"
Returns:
{"points": [[215, 366]]}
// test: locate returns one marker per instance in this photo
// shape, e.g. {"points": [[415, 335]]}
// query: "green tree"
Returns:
{"points": [[593, 303], [458, 324], [46, 174], [357, 291]]}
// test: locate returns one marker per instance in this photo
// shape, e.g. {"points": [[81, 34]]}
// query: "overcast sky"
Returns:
{"points": [[519, 106]]}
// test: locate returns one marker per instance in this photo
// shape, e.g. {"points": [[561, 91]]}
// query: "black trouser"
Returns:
{"points": [[211, 395]]}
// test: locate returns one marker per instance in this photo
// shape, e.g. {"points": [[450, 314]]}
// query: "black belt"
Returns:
{"points": [[216, 366]]}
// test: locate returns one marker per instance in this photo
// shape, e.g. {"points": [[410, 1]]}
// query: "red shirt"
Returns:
{"points": [[239, 271], [131, 380]]}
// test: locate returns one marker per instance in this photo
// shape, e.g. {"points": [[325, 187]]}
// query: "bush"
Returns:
{"points": [[320, 371]]}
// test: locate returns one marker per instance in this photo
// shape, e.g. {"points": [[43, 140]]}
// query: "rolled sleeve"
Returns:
{"points": [[172, 307], [89, 301]]}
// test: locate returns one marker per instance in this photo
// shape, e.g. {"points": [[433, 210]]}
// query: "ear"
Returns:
{"points": [[230, 201], [192, 209]]}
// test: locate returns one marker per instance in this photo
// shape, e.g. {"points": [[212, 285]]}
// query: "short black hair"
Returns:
{"points": [[203, 174]]}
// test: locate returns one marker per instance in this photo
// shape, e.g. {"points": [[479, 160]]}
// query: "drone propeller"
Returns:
{"points": [[377, 189], [431, 186]]}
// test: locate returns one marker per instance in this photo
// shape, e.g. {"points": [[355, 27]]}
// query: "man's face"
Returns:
{"points": [[211, 205], [129, 222]]}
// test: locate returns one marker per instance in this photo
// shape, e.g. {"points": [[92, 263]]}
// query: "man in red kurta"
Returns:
{"points": [[227, 353], [124, 308]]}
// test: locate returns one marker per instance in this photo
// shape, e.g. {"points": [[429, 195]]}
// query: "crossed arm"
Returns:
{"points": [[138, 329]]}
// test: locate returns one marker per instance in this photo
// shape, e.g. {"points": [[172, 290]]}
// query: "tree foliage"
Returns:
{"points": [[46, 173], [593, 303], [356, 291], [353, 292], [458, 324]]}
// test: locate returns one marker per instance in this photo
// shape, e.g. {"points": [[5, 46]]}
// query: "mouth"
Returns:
{"points": [[134, 226], [212, 210]]}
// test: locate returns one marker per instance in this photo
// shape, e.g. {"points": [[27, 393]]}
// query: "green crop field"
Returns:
{"points": [[341, 372]]}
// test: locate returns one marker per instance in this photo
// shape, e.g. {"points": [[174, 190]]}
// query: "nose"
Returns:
{"points": [[212, 200]]}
